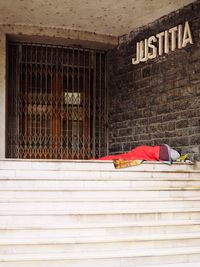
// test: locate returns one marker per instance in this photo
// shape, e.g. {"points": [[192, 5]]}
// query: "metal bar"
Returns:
{"points": [[55, 89], [46, 105], [84, 106], [61, 103], [31, 103], [94, 107], [103, 120], [19, 111], [100, 106], [89, 105], [51, 108], [14, 67], [78, 104], [73, 140], [106, 107], [40, 105], [67, 118], [14, 114], [25, 101], [35, 105]]}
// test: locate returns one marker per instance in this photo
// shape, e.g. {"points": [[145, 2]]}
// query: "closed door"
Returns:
{"points": [[56, 102]]}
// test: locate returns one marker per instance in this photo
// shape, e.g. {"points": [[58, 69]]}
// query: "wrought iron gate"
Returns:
{"points": [[56, 102]]}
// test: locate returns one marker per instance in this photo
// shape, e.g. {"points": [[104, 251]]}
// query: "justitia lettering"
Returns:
{"points": [[163, 42]]}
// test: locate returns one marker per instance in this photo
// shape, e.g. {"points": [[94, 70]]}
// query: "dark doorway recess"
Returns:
{"points": [[56, 102]]}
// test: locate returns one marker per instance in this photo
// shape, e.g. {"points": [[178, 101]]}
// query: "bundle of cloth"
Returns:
{"points": [[162, 152]]}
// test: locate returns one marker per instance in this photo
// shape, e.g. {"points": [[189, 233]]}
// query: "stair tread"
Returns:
{"points": [[193, 188], [112, 178], [186, 264], [107, 225], [169, 169], [112, 239], [107, 199], [100, 211], [105, 254]]}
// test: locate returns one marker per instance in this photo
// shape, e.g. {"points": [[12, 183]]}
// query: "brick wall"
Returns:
{"points": [[157, 101]]}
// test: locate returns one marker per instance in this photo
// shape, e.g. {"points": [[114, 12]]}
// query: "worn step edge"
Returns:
{"points": [[197, 188], [107, 225], [89, 240], [98, 183], [113, 199], [82, 181], [16, 169], [29, 163], [95, 175], [98, 206], [98, 175], [189, 264], [104, 255], [95, 212], [103, 179]]}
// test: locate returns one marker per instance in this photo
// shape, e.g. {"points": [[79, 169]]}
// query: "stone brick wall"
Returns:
{"points": [[157, 101]]}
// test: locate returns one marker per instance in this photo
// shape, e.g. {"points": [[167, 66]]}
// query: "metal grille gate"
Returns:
{"points": [[56, 102]]}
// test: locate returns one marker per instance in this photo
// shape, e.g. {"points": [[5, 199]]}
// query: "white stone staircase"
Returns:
{"points": [[87, 214]]}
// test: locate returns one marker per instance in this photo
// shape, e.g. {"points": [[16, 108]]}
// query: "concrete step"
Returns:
{"points": [[123, 258], [99, 230], [98, 207], [93, 170], [99, 239], [95, 211], [105, 225], [103, 199], [14, 219], [193, 264], [96, 175], [75, 194], [87, 175], [89, 165], [54, 244], [87, 189], [102, 184], [88, 215]]}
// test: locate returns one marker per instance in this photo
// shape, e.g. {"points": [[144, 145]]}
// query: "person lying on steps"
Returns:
{"points": [[161, 152]]}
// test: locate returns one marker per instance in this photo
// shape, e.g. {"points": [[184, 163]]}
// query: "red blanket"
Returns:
{"points": [[140, 152]]}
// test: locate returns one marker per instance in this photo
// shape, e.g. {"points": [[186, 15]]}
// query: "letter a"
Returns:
{"points": [[187, 36]]}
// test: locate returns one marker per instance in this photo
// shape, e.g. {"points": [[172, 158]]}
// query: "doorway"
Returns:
{"points": [[56, 102]]}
